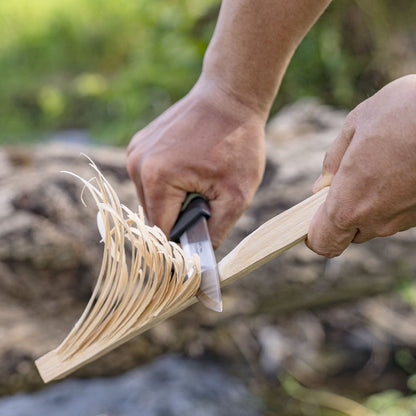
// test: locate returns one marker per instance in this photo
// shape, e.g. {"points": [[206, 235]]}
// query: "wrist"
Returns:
{"points": [[232, 99], [246, 67]]}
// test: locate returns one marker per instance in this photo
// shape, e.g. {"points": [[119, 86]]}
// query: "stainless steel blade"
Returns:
{"points": [[196, 240]]}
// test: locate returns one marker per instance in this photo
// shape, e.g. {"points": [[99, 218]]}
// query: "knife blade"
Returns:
{"points": [[191, 230]]}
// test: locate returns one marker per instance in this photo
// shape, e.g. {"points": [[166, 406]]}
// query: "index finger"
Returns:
{"points": [[163, 204]]}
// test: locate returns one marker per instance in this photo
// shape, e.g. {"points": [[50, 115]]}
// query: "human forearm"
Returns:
{"points": [[253, 43], [212, 141]]}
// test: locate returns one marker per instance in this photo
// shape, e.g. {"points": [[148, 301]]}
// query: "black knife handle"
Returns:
{"points": [[193, 208]]}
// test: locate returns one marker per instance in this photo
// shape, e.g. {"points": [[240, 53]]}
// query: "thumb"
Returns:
{"points": [[325, 237], [334, 154]]}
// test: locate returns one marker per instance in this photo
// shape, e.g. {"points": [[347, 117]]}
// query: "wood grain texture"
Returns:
{"points": [[271, 239], [268, 241], [143, 276]]}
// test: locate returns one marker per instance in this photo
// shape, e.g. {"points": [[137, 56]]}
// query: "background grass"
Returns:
{"points": [[109, 67]]}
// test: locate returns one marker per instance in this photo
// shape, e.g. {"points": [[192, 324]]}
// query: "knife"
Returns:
{"points": [[191, 230]]}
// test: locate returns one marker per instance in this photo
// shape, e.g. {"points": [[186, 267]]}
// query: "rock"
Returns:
{"points": [[304, 118], [171, 386], [50, 255]]}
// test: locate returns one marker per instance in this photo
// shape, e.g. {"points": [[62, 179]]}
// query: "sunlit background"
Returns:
{"points": [[109, 67]]}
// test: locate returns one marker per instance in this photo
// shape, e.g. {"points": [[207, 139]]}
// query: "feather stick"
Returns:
{"points": [[142, 276]]}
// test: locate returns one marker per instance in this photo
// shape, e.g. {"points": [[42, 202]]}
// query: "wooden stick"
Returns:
{"points": [[271, 239], [268, 241]]}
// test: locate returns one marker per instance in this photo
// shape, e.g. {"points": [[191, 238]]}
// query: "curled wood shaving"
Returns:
{"points": [[142, 274]]}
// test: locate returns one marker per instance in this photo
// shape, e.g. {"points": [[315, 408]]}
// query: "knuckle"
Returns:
{"points": [[351, 118], [134, 143], [130, 148], [343, 218], [153, 173], [240, 201], [385, 230], [133, 163]]}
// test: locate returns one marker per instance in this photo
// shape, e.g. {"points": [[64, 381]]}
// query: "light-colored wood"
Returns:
{"points": [[143, 277], [271, 239], [51, 366], [128, 301]]}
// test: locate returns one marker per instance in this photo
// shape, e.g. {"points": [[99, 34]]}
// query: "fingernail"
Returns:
{"points": [[323, 180], [315, 186]]}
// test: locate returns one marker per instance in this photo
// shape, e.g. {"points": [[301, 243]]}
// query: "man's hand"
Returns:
{"points": [[372, 171], [209, 142]]}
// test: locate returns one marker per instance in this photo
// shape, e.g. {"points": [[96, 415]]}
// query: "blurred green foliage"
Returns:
{"points": [[314, 402], [107, 66], [354, 50], [111, 66]]}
